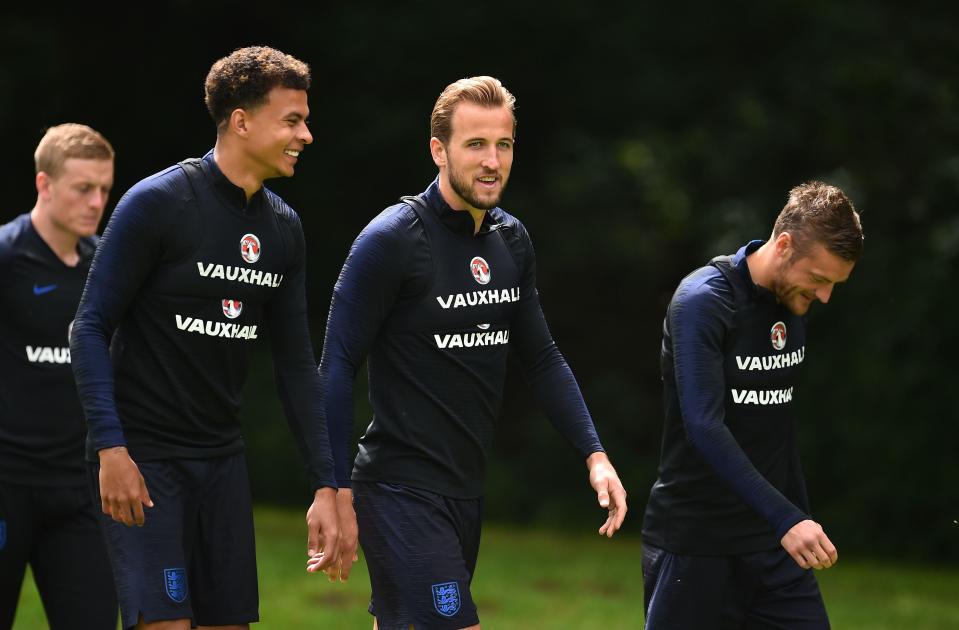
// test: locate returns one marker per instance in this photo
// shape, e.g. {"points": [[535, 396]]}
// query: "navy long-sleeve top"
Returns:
{"points": [[729, 477], [435, 308], [41, 423], [186, 274]]}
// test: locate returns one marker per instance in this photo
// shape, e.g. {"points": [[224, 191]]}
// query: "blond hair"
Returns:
{"points": [[69, 140], [483, 91]]}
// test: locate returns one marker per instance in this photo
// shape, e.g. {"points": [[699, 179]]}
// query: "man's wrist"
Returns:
{"points": [[599, 457], [326, 493], [112, 451]]}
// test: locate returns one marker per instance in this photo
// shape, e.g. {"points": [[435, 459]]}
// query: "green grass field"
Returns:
{"points": [[534, 579]]}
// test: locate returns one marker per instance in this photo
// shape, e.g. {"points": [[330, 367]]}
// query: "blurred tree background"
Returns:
{"points": [[651, 137]]}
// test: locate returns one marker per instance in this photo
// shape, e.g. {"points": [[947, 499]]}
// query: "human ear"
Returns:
{"points": [[239, 122], [438, 151]]}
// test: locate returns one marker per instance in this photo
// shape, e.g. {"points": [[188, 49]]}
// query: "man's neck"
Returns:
{"points": [[455, 202], [236, 168], [761, 264], [60, 241]]}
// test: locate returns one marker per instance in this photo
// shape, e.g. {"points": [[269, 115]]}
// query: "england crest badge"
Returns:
{"points": [[175, 580], [446, 598]]}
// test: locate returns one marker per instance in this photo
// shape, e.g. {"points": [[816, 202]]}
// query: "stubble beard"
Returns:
{"points": [[463, 188]]}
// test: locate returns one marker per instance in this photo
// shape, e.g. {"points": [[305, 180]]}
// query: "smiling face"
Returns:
{"points": [[74, 200], [475, 163], [276, 132], [802, 279]]}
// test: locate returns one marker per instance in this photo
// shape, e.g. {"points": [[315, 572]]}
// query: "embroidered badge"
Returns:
{"points": [[232, 308], [250, 248], [175, 580], [480, 270], [446, 598], [778, 335]]}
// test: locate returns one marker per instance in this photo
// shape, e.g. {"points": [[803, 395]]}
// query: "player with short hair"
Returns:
{"points": [[193, 263], [46, 513], [435, 290], [728, 535]]}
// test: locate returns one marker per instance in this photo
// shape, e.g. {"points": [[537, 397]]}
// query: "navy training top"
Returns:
{"points": [[435, 309], [186, 272], [729, 477], [41, 423]]}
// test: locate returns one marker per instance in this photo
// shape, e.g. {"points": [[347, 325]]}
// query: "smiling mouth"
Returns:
{"points": [[292, 153]]}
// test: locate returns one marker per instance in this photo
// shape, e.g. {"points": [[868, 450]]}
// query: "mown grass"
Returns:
{"points": [[533, 579]]}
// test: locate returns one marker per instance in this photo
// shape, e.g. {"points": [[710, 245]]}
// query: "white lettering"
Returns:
{"points": [[250, 276], [771, 362], [211, 329], [472, 340], [762, 397], [479, 298], [45, 354]]}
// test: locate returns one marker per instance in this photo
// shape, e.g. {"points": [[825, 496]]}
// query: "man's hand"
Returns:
{"points": [[346, 517], [322, 540], [609, 491], [809, 546], [123, 493]]}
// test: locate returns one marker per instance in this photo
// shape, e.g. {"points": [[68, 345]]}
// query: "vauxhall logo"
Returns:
{"points": [[480, 270], [778, 335], [232, 308], [250, 248]]}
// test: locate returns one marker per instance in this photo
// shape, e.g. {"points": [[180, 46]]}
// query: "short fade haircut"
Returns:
{"points": [[483, 91], [820, 213], [243, 79], [69, 140]]}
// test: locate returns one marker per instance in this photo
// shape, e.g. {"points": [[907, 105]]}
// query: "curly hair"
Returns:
{"points": [[69, 140], [244, 78]]}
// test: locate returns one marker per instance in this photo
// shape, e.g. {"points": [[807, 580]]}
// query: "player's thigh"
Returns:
{"points": [[17, 527], [788, 596], [223, 550], [689, 592], [70, 564], [420, 564], [149, 563]]}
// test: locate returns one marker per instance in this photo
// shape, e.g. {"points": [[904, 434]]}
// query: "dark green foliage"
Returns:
{"points": [[650, 138]]}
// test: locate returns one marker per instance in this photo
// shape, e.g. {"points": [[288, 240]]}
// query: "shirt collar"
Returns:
{"points": [[742, 267], [459, 221], [234, 196]]}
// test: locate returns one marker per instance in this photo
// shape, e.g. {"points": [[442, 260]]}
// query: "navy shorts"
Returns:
{"points": [[765, 590], [55, 531], [194, 557], [420, 549]]}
